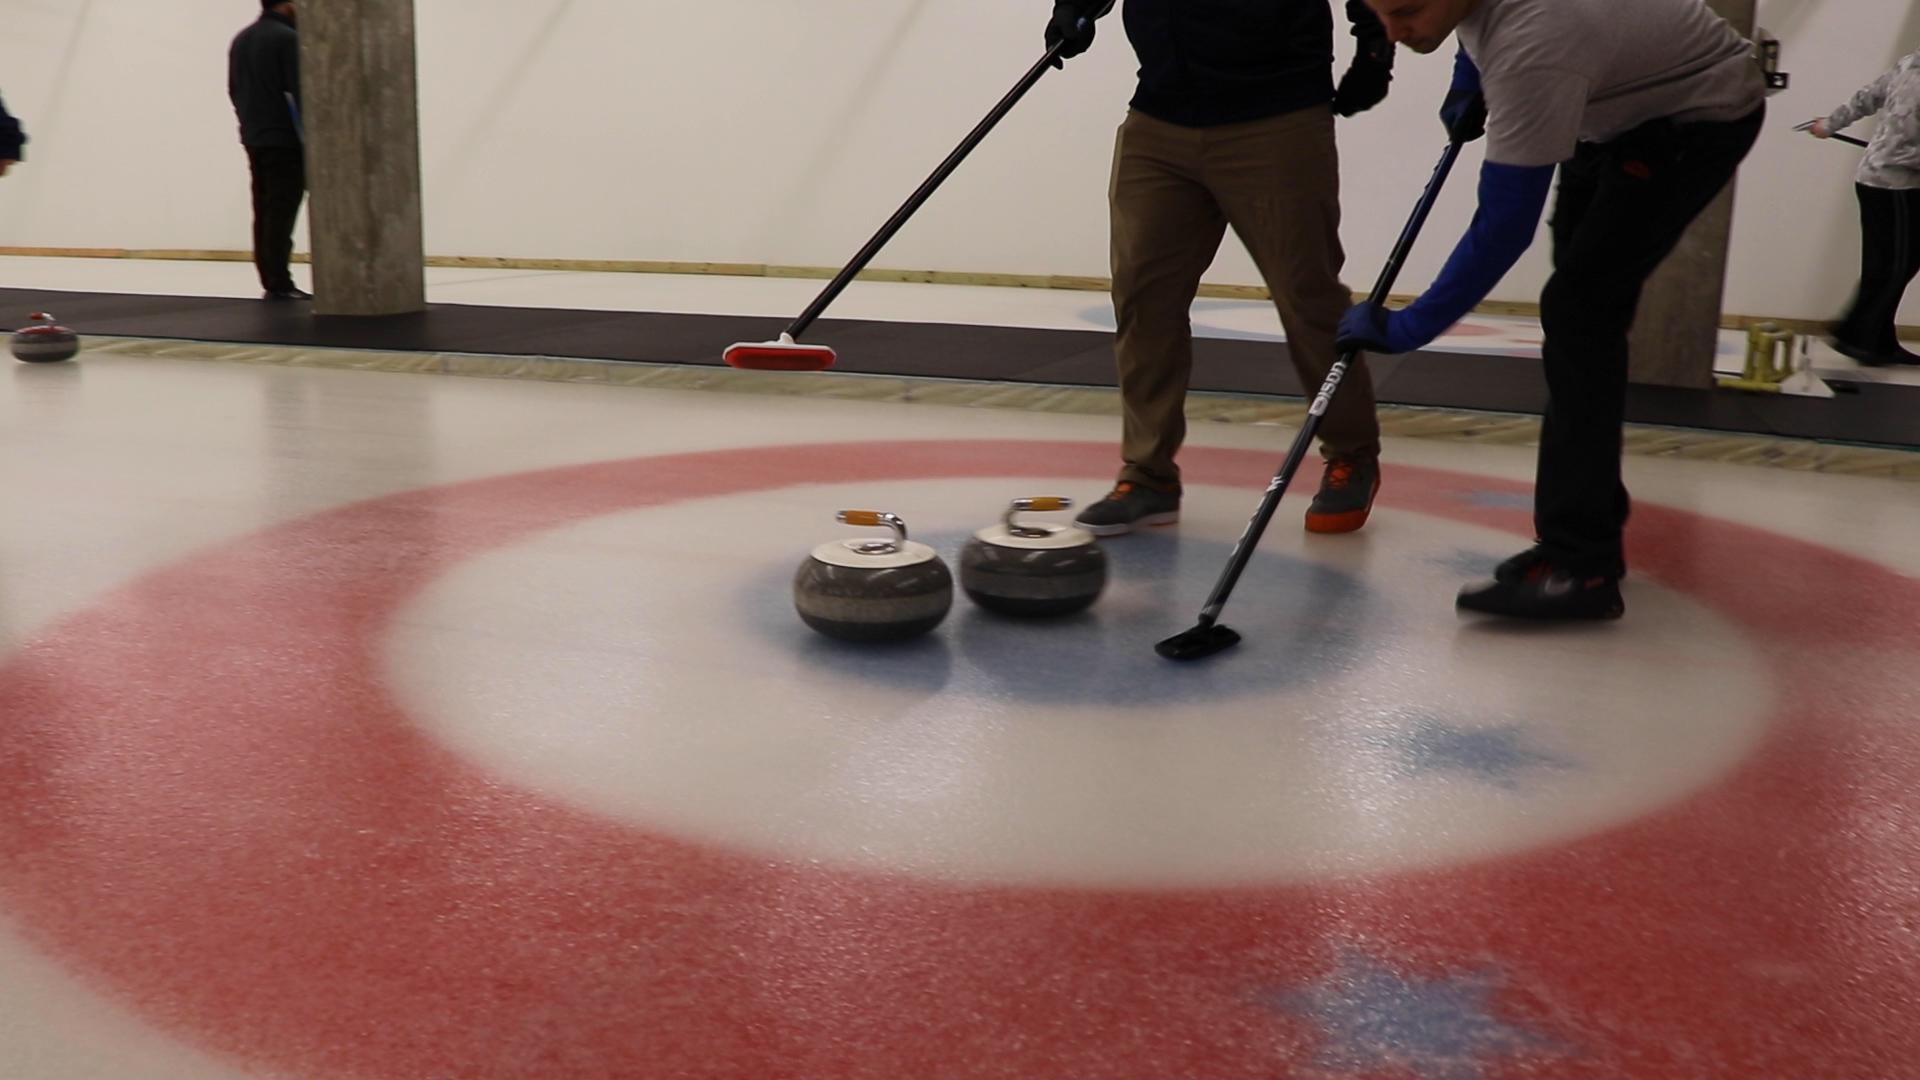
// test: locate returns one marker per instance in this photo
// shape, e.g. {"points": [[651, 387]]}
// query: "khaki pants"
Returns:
{"points": [[1174, 192]]}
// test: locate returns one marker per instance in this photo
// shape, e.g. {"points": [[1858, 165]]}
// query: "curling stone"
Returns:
{"points": [[873, 590], [45, 342], [1034, 570]]}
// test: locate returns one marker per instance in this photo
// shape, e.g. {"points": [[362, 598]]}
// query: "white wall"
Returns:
{"points": [[784, 131]]}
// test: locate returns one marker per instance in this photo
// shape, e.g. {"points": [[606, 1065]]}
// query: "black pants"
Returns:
{"points": [[1622, 208], [1889, 259], [279, 185]]}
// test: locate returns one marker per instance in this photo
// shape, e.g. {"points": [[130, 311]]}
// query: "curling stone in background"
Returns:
{"points": [[873, 590], [1035, 570], [45, 342]]}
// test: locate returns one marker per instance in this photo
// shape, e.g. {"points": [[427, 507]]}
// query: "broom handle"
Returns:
{"points": [[926, 190], [1243, 551], [1832, 134]]}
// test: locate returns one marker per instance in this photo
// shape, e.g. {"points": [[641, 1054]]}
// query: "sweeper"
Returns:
{"points": [[1645, 108]]}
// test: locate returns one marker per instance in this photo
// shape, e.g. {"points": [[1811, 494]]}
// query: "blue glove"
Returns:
{"points": [[1372, 328]]}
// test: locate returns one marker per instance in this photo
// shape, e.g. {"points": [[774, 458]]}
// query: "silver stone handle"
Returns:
{"points": [[876, 519], [1039, 504]]}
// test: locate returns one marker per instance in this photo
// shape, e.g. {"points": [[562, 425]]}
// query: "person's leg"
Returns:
{"points": [[1579, 185], [1165, 232], [259, 171], [1633, 222], [1279, 182], [1910, 213], [1586, 312], [277, 210], [1866, 332], [1623, 208]]}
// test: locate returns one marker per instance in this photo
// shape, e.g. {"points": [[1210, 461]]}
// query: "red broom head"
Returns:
{"points": [[782, 355]]}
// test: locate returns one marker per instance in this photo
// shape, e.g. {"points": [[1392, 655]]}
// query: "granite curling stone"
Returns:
{"points": [[45, 342], [1033, 570], [873, 590]]}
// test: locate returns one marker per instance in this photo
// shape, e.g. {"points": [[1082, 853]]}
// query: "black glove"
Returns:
{"points": [[1072, 23], [1363, 86], [1464, 114], [1365, 83]]}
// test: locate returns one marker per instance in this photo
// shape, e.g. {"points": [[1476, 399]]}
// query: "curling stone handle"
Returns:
{"points": [[1039, 504], [878, 519]]}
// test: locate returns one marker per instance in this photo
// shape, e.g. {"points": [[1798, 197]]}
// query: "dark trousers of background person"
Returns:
{"points": [[279, 186], [1889, 259], [1622, 208]]}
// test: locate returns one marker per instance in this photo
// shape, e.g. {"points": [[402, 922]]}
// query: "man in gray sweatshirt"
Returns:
{"points": [[1643, 109], [1888, 185]]}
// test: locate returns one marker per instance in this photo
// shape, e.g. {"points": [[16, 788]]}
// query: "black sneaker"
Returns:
{"points": [[1127, 505], [291, 292], [1546, 591], [1516, 569], [1346, 495], [1866, 357]]}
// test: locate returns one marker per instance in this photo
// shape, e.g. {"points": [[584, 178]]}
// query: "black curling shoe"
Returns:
{"points": [[1519, 567], [1546, 592]]}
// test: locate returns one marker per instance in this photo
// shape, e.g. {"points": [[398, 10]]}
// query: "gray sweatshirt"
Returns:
{"points": [[1893, 154], [1561, 72]]}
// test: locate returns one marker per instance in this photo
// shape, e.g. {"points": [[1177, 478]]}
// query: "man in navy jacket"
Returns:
{"points": [[1231, 125]]}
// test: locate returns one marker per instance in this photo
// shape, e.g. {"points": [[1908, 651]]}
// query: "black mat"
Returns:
{"points": [[1864, 413]]}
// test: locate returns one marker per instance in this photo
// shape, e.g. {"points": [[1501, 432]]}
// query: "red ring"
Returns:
{"points": [[211, 808]]}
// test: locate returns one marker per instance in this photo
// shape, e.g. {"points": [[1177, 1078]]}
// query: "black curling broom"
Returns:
{"points": [[787, 354], [1208, 636]]}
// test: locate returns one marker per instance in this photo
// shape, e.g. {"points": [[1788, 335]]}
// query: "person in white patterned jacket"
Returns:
{"points": [[1888, 184]]}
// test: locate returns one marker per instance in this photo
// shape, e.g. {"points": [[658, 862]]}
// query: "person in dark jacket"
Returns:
{"points": [[12, 140], [263, 81], [1231, 125]]}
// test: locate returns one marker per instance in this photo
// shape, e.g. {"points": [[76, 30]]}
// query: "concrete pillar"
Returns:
{"points": [[1677, 332], [358, 88]]}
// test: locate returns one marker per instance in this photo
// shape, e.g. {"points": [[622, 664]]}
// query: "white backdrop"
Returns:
{"points": [[784, 131]]}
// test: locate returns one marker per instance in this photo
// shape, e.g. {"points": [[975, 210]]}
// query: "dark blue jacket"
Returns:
{"points": [[1207, 62], [263, 68], [11, 137]]}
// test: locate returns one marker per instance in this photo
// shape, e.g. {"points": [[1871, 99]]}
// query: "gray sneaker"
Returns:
{"points": [[1346, 495], [1127, 505]]}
